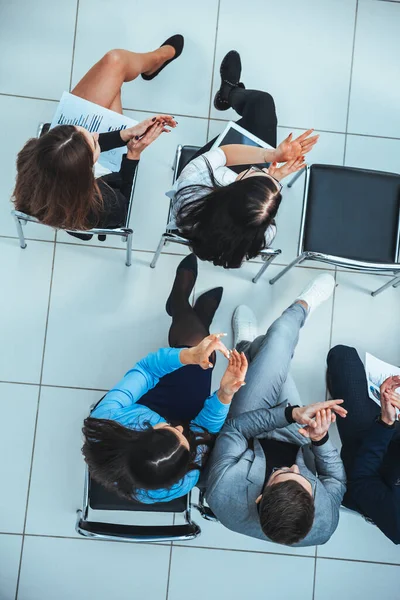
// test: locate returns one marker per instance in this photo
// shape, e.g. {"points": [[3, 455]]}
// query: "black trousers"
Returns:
{"points": [[347, 380], [258, 115]]}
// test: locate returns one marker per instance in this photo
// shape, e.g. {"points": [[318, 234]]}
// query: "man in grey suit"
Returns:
{"points": [[251, 487]]}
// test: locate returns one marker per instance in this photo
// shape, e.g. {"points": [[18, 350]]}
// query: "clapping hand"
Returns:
{"points": [[289, 167], [304, 415], [291, 149], [323, 420], [137, 131], [233, 378], [390, 400], [200, 354]]}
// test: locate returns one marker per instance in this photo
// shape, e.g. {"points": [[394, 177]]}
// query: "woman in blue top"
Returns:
{"points": [[150, 436]]}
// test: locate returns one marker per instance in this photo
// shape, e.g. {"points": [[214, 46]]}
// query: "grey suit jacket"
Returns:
{"points": [[236, 474]]}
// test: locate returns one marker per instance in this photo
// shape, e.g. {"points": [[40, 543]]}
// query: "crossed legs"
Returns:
{"points": [[103, 82], [268, 382]]}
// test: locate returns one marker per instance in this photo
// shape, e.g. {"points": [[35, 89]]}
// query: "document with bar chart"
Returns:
{"points": [[72, 110]]}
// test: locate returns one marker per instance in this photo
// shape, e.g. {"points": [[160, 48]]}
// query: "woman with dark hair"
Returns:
{"points": [[56, 173], [150, 436], [228, 214]]}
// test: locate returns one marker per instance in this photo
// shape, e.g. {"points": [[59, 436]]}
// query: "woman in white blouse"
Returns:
{"points": [[228, 214]]}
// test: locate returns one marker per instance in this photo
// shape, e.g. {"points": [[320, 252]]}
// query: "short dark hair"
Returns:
{"points": [[226, 224], [286, 512], [125, 460]]}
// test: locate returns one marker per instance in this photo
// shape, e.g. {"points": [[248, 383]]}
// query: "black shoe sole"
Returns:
{"points": [[176, 41]]}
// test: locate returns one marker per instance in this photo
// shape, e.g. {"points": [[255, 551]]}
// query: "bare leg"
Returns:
{"points": [[116, 104], [102, 84]]}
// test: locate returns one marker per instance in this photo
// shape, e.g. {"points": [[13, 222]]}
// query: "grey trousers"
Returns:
{"points": [[268, 381]]}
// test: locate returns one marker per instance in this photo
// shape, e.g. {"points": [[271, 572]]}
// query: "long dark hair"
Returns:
{"points": [[227, 223], [55, 181], [125, 460]]}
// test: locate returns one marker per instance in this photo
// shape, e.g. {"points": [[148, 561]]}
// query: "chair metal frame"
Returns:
{"points": [[133, 533], [267, 255], [126, 233], [347, 263]]}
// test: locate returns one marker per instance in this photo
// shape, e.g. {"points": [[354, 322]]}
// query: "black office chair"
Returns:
{"points": [[182, 157], [96, 497], [350, 219], [125, 232]]}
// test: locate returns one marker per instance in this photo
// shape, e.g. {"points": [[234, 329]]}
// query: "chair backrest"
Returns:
{"points": [[184, 155], [352, 213], [102, 499]]}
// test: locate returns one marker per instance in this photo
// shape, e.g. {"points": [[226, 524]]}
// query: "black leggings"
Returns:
{"points": [[347, 380], [258, 113]]}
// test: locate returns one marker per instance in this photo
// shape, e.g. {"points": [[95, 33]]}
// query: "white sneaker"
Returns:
{"points": [[244, 325], [317, 291]]}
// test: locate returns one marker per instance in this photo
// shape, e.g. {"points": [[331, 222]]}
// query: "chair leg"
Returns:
{"points": [[295, 262], [129, 241], [392, 282], [267, 261], [21, 236], [161, 245], [295, 177]]}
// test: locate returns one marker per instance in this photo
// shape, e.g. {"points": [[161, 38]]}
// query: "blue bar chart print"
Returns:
{"points": [[91, 122]]}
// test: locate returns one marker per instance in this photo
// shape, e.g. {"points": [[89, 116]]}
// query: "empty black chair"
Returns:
{"points": [[183, 155], [350, 219]]}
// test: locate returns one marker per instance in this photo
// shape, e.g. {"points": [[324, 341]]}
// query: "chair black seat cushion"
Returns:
{"points": [[352, 213], [187, 154], [102, 499]]}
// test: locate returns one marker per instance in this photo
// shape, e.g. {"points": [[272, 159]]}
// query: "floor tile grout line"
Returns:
{"points": [[350, 82], [54, 385], [213, 68], [73, 45], [206, 118], [36, 422], [330, 344], [307, 265], [169, 569], [315, 574], [181, 545]]}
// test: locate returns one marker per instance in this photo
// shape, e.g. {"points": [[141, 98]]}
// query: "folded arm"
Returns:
{"points": [[330, 471], [233, 439]]}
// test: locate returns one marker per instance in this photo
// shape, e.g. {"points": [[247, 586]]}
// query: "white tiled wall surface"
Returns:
{"points": [[73, 318]]}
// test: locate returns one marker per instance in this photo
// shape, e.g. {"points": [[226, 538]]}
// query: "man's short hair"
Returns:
{"points": [[286, 512]]}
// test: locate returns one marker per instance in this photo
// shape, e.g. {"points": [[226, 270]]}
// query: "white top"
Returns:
{"points": [[196, 173]]}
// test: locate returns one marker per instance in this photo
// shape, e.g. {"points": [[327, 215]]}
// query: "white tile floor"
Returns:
{"points": [[330, 64]]}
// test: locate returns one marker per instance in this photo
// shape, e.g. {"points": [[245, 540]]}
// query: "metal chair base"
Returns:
{"points": [[135, 533], [267, 256], [126, 233], [362, 267]]}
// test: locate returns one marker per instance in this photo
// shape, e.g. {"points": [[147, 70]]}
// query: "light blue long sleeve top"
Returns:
{"points": [[120, 404]]}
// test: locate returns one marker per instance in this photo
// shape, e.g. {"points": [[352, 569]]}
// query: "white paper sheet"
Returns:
{"points": [[377, 371], [72, 110]]}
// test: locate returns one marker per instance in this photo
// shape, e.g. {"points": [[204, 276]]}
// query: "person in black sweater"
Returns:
{"points": [[56, 179], [370, 441]]}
